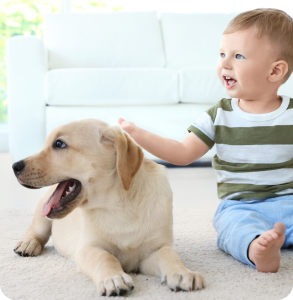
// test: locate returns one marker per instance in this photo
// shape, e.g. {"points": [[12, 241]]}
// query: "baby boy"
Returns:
{"points": [[253, 133]]}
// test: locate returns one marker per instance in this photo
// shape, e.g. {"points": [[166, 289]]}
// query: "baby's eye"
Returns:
{"points": [[222, 55], [239, 56]]}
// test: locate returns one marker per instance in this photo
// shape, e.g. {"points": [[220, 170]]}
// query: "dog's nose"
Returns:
{"points": [[18, 167]]}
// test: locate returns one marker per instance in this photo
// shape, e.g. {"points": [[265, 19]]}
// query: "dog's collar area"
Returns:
{"points": [[65, 193]]}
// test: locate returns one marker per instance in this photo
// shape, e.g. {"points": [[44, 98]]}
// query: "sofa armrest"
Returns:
{"points": [[26, 68]]}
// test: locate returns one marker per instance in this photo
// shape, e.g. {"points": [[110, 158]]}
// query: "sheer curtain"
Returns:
{"points": [[285, 5], [223, 6], [180, 6], [187, 6]]}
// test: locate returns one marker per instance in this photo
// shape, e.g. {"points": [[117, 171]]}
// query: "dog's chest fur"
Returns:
{"points": [[129, 237]]}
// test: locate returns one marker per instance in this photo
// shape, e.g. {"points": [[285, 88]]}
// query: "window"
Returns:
{"points": [[113, 5], [20, 17]]}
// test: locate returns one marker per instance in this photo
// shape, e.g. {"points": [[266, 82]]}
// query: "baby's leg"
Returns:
{"points": [[264, 251], [238, 224]]}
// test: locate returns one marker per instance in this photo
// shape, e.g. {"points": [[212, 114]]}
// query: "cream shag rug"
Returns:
{"points": [[51, 276]]}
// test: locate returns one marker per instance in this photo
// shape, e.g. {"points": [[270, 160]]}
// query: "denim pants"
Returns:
{"points": [[238, 223]]}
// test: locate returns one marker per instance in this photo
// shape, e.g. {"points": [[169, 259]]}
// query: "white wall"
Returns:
{"points": [[184, 6]]}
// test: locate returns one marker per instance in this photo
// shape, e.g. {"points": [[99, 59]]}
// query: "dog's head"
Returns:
{"points": [[84, 157]]}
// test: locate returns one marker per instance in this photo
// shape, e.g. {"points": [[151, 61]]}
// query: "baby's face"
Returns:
{"points": [[247, 61]]}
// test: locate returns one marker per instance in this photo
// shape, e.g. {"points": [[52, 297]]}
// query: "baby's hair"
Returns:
{"points": [[274, 24]]}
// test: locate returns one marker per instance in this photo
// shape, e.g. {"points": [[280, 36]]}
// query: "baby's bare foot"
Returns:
{"points": [[264, 251]]}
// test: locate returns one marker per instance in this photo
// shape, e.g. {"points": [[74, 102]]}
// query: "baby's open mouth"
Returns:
{"points": [[65, 192], [229, 81]]}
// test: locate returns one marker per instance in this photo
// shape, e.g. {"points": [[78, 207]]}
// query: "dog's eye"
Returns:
{"points": [[59, 144]]}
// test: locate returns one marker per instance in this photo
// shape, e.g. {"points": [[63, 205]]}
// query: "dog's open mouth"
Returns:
{"points": [[65, 193]]}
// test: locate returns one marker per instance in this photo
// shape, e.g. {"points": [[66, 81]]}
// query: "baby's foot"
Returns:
{"points": [[264, 251]]}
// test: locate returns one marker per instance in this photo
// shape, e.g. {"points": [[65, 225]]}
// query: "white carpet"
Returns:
{"points": [[51, 276]]}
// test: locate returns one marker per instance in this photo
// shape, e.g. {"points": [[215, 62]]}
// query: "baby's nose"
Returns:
{"points": [[225, 63]]}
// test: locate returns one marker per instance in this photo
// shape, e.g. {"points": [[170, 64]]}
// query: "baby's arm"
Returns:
{"points": [[177, 153]]}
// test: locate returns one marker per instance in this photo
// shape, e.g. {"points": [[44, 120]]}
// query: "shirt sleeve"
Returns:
{"points": [[203, 127]]}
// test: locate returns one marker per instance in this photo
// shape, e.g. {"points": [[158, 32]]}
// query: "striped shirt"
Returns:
{"points": [[254, 157]]}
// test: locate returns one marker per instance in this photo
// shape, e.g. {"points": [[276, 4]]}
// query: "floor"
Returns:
{"points": [[191, 187]]}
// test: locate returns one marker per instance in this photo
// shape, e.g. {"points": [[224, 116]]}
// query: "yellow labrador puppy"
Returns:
{"points": [[108, 208]]}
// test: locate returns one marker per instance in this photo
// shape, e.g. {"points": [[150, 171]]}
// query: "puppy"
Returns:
{"points": [[108, 208]]}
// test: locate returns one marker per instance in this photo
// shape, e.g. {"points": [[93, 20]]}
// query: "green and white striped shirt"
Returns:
{"points": [[254, 157]]}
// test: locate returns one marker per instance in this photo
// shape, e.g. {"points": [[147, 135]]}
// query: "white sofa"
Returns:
{"points": [[158, 73]]}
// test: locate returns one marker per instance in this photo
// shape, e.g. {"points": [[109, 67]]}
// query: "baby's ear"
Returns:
{"points": [[278, 71]]}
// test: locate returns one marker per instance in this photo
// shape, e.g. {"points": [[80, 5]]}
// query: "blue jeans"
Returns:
{"points": [[238, 223]]}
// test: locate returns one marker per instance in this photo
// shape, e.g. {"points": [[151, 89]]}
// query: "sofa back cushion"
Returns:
{"points": [[105, 87], [104, 40], [193, 40]]}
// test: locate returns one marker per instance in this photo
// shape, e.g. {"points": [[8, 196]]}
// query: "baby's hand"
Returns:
{"points": [[127, 126]]}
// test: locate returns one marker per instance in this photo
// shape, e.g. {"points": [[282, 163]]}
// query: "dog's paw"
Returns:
{"points": [[117, 285], [28, 247], [185, 281]]}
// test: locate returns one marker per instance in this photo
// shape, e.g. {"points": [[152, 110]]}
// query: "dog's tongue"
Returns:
{"points": [[54, 199]]}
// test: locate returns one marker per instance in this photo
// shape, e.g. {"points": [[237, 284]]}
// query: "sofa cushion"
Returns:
{"points": [[193, 39], [122, 39], [170, 121], [200, 85], [145, 86]]}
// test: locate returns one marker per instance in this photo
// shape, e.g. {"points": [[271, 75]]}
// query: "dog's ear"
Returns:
{"points": [[129, 154]]}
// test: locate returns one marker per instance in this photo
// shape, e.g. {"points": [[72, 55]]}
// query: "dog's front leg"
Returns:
{"points": [[39, 231], [104, 270], [165, 263]]}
